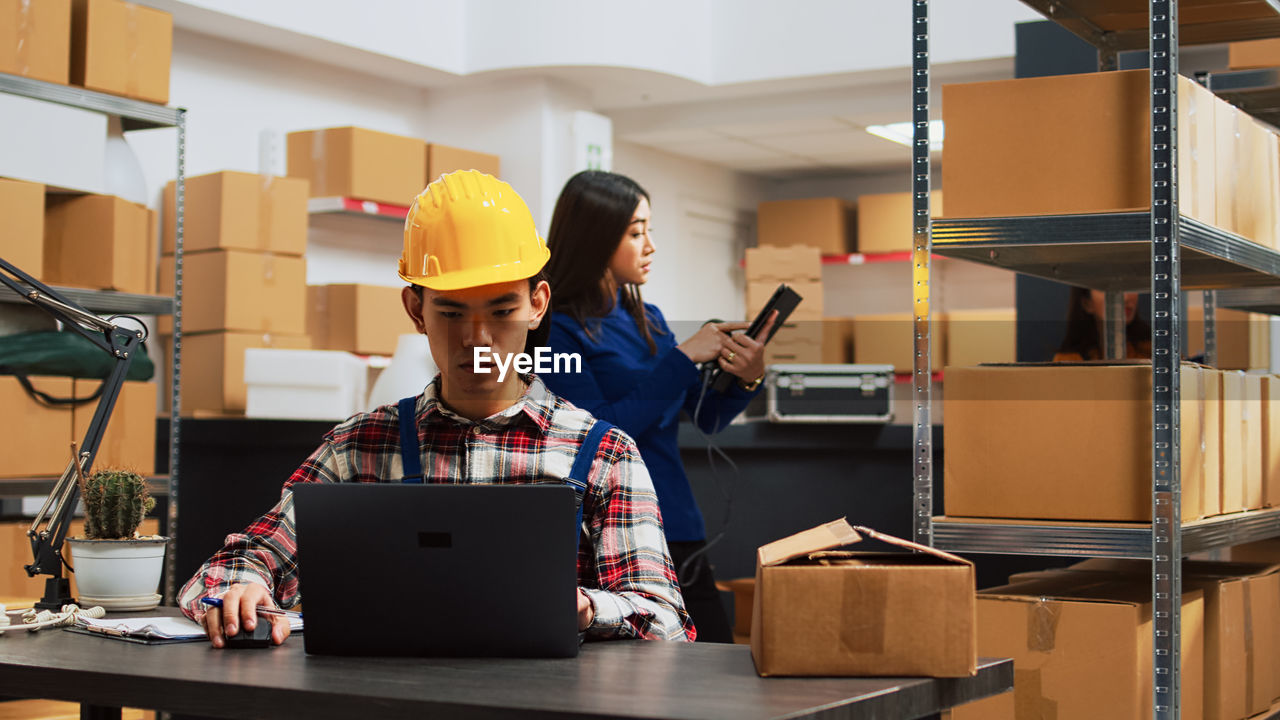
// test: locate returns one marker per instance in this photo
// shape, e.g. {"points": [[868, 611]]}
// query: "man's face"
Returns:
{"points": [[456, 322]]}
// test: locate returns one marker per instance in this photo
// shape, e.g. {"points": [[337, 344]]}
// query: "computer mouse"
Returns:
{"points": [[259, 637]]}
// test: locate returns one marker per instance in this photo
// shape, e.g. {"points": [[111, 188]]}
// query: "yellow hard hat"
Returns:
{"points": [[468, 229]]}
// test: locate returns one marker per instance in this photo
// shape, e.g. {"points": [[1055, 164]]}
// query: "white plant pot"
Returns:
{"points": [[118, 574]]}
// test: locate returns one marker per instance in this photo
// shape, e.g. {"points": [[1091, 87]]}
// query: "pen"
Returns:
{"points": [[262, 609]]}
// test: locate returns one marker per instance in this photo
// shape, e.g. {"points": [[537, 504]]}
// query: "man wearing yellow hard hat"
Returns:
{"points": [[473, 261]]}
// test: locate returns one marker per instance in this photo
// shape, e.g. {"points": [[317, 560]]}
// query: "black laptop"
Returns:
{"points": [[437, 570]]}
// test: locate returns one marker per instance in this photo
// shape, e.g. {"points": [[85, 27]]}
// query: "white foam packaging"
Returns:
{"points": [[304, 384]]}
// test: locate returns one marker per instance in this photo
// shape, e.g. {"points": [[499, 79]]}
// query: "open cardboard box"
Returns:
{"points": [[821, 611]]}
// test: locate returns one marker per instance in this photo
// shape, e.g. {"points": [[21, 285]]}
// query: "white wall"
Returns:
{"points": [[233, 92], [704, 218], [715, 42]]}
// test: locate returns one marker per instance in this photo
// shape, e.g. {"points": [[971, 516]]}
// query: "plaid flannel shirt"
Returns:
{"points": [[625, 568]]}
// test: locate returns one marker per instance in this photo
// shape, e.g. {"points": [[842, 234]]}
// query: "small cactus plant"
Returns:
{"points": [[115, 502]]}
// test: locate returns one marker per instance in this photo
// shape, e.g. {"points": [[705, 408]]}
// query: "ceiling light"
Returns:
{"points": [[900, 132]]}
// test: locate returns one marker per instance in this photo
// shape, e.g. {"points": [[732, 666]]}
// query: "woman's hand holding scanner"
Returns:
{"points": [[238, 610], [707, 344], [743, 355]]}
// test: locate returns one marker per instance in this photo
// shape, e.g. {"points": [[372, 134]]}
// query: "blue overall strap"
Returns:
{"points": [[581, 466], [410, 455]]}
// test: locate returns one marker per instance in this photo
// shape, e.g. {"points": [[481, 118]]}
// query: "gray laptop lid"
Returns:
{"points": [[437, 570]]}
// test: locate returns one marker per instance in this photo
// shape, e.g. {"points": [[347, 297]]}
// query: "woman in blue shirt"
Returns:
{"points": [[634, 374]]}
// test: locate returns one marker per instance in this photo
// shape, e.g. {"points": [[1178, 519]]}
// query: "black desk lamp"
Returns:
{"points": [[118, 342]]}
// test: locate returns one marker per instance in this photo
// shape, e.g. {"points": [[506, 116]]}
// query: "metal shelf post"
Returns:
{"points": [[922, 379], [1166, 495], [175, 366]]}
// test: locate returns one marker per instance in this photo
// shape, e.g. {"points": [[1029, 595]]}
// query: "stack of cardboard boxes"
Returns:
{"points": [[1093, 131], [1067, 442], [800, 339], [106, 45], [97, 242], [244, 279], [1089, 626]]}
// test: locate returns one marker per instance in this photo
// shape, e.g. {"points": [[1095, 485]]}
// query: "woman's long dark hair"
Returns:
{"points": [[1084, 331], [591, 216]]}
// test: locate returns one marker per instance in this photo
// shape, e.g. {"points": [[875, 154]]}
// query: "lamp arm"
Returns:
{"points": [[55, 515]]}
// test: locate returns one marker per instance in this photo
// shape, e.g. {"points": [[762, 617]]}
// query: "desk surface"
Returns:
{"points": [[615, 679]]}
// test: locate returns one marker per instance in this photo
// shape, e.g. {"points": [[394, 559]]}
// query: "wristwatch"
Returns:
{"points": [[751, 386]]}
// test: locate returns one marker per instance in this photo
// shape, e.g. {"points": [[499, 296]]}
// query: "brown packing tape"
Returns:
{"points": [[22, 52], [865, 596], [132, 36], [318, 184], [1248, 644], [1042, 626], [1028, 697], [268, 277], [263, 241]]}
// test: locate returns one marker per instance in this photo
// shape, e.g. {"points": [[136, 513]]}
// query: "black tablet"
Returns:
{"points": [[784, 300]]}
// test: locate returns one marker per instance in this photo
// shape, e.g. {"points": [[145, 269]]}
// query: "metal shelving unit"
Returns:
{"points": [[1257, 92], [134, 115], [1106, 251], [1159, 250]]}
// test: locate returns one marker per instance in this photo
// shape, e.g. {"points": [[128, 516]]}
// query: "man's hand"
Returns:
{"points": [[239, 611], [586, 611]]}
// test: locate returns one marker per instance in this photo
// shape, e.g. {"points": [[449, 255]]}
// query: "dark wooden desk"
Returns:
{"points": [[607, 680]]}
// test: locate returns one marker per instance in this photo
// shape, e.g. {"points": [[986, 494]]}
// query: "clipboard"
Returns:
{"points": [[140, 639]]}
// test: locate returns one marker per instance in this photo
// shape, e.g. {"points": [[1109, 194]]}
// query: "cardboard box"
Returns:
{"points": [[1253, 54], [826, 223], [100, 242], [889, 339], [130, 439], [443, 159], [35, 39], [35, 440], [1090, 135], [810, 292], [1256, 183], [837, 340], [1252, 436], [1062, 442], [360, 319], [820, 611], [1242, 339], [796, 342], [1209, 414], [790, 264], [1270, 441], [1243, 655], [240, 290], [358, 163], [885, 222], [1241, 616], [981, 336], [1066, 635], [1233, 441], [121, 48], [22, 242], [239, 211], [213, 368], [1228, 142]]}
